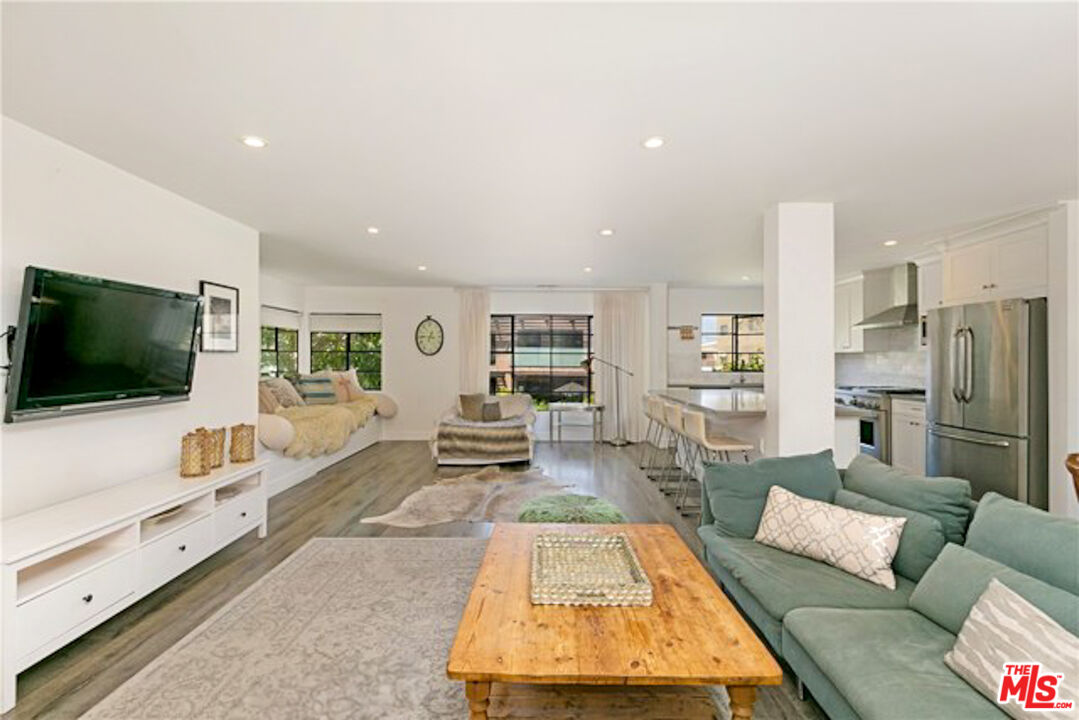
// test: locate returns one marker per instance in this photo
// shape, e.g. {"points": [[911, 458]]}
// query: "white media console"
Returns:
{"points": [[69, 567]]}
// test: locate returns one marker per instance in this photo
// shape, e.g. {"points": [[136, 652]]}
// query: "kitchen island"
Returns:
{"points": [[718, 403]]}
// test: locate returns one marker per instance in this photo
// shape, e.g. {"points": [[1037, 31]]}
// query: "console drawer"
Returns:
{"points": [[170, 555], [233, 516], [56, 612]]}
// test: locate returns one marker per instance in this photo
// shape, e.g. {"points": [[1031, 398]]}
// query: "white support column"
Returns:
{"points": [[799, 316], [1063, 308], [657, 336]]}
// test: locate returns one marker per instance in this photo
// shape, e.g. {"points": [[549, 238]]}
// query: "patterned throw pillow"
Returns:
{"points": [[284, 392], [317, 389], [856, 542], [268, 402], [492, 411], [1003, 627]]}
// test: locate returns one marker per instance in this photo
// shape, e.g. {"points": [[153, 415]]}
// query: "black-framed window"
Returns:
{"points": [[347, 350], [280, 352], [542, 355], [732, 342]]}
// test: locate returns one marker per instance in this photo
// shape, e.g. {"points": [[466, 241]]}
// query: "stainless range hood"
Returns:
{"points": [[890, 297]]}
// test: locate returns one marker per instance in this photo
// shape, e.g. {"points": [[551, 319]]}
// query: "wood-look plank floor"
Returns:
{"points": [[331, 504]]}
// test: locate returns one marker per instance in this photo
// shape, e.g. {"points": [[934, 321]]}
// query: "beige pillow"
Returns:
{"points": [[284, 391], [472, 406], [1003, 627], [491, 411], [514, 405], [268, 402], [275, 432], [384, 404], [857, 542]]}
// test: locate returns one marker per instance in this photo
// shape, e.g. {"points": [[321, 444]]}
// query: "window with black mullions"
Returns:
{"points": [[280, 352], [361, 351], [542, 355], [732, 342]]}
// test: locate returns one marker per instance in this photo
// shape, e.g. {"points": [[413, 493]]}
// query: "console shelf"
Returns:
{"points": [[69, 567]]}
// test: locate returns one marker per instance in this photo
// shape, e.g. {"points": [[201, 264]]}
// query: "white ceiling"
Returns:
{"points": [[492, 142]]}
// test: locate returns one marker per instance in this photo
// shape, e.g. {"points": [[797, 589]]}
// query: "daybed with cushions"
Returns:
{"points": [[486, 430], [863, 650], [316, 415]]}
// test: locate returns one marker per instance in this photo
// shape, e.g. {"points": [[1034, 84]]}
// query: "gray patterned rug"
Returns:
{"points": [[488, 495], [343, 628]]}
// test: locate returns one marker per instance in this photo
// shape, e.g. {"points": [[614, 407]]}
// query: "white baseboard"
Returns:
{"points": [[284, 472]]}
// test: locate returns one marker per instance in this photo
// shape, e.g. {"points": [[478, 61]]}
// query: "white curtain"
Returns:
{"points": [[620, 327], [475, 340]]}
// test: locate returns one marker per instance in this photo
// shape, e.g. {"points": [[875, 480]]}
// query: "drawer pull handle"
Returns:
{"points": [[243, 514], [88, 598], [183, 548]]}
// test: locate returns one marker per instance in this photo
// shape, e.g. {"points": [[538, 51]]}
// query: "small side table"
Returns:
{"points": [[594, 410]]}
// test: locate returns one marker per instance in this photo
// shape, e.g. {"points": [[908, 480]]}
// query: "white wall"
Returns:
{"points": [[424, 387], [685, 307], [290, 296], [1063, 308], [66, 210], [566, 302]]}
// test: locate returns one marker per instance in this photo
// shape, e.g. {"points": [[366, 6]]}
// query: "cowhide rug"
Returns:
{"points": [[489, 495]]}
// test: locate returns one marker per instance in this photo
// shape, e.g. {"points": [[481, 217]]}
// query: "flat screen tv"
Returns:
{"points": [[85, 344]]}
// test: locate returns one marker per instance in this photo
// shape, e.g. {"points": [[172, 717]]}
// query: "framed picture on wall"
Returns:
{"points": [[220, 317]]}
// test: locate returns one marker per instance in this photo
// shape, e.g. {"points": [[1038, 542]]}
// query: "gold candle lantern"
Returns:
{"points": [[194, 455], [242, 444], [215, 443]]}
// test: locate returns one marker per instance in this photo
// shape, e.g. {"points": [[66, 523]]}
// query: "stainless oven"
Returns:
{"points": [[873, 435]]}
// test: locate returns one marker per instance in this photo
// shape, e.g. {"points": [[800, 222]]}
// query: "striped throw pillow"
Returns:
{"points": [[1003, 627], [316, 389]]}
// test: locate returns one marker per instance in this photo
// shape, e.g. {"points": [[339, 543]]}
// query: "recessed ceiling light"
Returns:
{"points": [[606, 232], [372, 230], [422, 268], [745, 277], [588, 269], [254, 141], [891, 243], [656, 141]]}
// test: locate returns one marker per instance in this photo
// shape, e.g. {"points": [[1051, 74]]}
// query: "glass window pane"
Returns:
{"points": [[501, 343], [365, 341], [502, 362], [370, 381], [750, 343], [751, 324], [288, 363], [328, 342], [267, 338], [723, 324], [327, 361], [268, 363], [717, 343], [751, 363], [288, 340], [366, 361]]}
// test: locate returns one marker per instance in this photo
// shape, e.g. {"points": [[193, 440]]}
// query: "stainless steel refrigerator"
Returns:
{"points": [[987, 401]]}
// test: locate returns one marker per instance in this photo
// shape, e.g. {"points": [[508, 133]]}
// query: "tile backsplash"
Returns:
{"points": [[898, 368]]}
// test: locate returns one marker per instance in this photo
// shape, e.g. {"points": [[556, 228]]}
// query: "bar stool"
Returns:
{"points": [[672, 420], [710, 446], [651, 405]]}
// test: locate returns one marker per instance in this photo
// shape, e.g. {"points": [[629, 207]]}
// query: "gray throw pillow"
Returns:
{"points": [[1003, 627], [492, 411], [472, 406]]}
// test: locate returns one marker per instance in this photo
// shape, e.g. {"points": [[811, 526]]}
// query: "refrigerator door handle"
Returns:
{"points": [[975, 441], [957, 391], [968, 365]]}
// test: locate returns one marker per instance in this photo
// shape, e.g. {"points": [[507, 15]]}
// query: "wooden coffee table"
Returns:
{"points": [[690, 635]]}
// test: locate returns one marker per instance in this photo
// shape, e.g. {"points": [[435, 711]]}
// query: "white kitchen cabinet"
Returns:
{"points": [[930, 292], [848, 313], [908, 436], [1015, 265]]}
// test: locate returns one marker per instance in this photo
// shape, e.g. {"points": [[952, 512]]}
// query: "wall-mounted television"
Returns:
{"points": [[86, 344]]}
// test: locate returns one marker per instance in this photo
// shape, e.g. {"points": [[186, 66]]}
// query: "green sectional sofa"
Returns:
{"points": [[865, 651]]}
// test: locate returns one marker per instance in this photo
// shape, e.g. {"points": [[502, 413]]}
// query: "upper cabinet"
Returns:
{"points": [[848, 313], [930, 292], [1013, 265]]}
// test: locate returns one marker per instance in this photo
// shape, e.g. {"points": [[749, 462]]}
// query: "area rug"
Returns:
{"points": [[489, 495], [345, 628]]}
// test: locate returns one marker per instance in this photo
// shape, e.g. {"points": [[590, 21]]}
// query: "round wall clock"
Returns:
{"points": [[429, 336]]}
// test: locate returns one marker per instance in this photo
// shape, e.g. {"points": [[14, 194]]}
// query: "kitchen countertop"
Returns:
{"points": [[720, 402]]}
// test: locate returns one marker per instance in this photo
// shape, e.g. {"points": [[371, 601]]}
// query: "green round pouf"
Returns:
{"points": [[570, 509]]}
